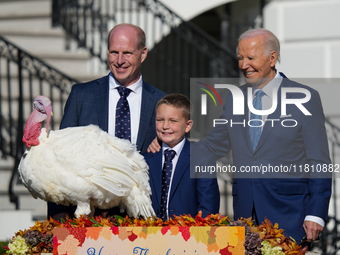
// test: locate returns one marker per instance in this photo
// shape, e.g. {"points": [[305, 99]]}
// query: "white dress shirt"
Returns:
{"points": [[135, 102], [178, 149]]}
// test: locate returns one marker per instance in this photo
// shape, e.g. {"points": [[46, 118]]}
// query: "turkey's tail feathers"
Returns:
{"points": [[116, 188], [138, 203]]}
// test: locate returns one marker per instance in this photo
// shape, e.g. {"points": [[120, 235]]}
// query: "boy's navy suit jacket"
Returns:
{"points": [[187, 195]]}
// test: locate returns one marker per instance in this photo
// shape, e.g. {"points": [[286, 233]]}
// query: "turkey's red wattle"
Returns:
{"points": [[33, 128]]}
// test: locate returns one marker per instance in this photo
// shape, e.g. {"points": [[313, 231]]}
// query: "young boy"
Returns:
{"points": [[173, 191]]}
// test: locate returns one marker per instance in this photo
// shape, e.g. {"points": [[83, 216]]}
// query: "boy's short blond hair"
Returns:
{"points": [[179, 101]]}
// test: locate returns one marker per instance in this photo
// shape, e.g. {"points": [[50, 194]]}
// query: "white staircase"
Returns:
{"points": [[28, 24]]}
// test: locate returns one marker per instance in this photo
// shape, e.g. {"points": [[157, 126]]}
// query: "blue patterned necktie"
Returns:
{"points": [[123, 125], [255, 132], [166, 177]]}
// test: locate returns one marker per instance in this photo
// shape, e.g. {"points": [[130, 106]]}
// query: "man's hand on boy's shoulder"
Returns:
{"points": [[154, 146]]}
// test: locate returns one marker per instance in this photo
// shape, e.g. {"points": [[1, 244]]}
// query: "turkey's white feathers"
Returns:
{"points": [[87, 167]]}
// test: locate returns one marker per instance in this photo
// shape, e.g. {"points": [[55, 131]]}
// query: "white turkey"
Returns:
{"points": [[84, 166]]}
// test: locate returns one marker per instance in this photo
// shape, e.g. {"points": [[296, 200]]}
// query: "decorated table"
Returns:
{"points": [[215, 234]]}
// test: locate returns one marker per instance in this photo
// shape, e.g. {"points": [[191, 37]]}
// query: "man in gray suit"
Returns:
{"points": [[95, 102]]}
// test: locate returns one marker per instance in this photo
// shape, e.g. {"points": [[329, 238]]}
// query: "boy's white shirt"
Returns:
{"points": [[178, 149]]}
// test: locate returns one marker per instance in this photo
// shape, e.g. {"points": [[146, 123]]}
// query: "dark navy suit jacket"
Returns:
{"points": [[282, 197], [88, 103], [187, 195]]}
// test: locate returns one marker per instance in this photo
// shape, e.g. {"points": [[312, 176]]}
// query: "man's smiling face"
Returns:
{"points": [[125, 56], [256, 64]]}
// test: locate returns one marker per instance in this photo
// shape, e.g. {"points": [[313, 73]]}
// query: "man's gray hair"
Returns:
{"points": [[271, 41]]}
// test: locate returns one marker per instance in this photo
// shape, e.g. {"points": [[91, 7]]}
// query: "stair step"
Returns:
{"points": [[45, 43], [38, 42], [71, 66], [31, 26], [37, 207], [5, 176], [25, 9], [85, 77], [12, 221], [78, 63], [75, 69], [5, 164]]}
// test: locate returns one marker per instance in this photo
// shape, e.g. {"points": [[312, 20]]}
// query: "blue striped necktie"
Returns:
{"points": [[256, 125]]}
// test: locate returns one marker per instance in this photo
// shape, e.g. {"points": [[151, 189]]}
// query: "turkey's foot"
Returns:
{"points": [[84, 208]]}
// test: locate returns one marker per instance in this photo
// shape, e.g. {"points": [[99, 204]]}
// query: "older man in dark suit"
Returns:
{"points": [[293, 142], [99, 102]]}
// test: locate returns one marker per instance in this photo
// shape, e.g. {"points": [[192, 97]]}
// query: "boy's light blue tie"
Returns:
{"points": [[166, 177], [255, 132]]}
